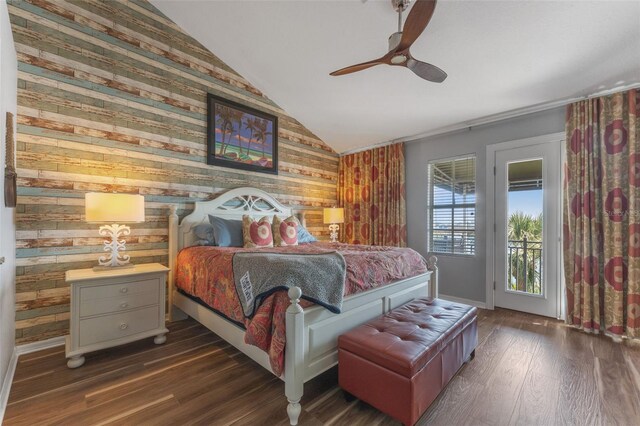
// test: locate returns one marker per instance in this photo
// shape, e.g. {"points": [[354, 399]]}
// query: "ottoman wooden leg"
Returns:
{"points": [[349, 397]]}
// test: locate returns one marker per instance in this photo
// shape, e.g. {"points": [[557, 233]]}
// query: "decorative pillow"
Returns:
{"points": [[257, 233], [304, 236], [226, 232], [285, 231], [204, 234]]}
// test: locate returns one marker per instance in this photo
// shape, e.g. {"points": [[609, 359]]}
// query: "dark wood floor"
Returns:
{"points": [[528, 370]]}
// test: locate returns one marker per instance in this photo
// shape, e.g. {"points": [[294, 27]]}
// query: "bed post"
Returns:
{"points": [[433, 284], [174, 313], [294, 356]]}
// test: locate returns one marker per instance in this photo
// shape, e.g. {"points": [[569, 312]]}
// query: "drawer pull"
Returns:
{"points": [[124, 290], [124, 326], [124, 305]]}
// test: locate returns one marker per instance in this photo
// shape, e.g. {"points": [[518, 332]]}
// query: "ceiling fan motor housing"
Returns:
{"points": [[394, 40]]}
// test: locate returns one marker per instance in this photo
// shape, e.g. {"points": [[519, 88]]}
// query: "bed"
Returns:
{"points": [[311, 330]]}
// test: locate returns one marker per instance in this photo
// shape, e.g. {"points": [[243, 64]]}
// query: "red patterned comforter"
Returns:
{"points": [[207, 273]]}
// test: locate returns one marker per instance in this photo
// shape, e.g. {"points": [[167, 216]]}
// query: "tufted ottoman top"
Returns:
{"points": [[407, 338]]}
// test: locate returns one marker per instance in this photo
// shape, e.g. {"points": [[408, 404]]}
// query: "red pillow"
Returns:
{"points": [[257, 233], [285, 231]]}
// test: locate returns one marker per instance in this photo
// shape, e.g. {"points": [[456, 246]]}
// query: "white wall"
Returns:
{"points": [[464, 276], [8, 87]]}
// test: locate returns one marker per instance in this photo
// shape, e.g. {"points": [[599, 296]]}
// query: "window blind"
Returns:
{"points": [[452, 205]]}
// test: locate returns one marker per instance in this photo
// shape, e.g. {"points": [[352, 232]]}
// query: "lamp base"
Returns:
{"points": [[115, 247], [334, 227]]}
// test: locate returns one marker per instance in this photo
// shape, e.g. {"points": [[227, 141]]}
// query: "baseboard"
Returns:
{"points": [[38, 346], [481, 305], [6, 383]]}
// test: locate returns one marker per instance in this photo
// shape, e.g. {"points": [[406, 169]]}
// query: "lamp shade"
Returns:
{"points": [[334, 215], [115, 208]]}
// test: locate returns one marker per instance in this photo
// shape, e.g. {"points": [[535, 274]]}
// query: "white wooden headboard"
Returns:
{"points": [[232, 204]]}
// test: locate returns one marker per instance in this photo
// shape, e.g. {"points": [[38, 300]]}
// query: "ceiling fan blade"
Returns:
{"points": [[359, 67], [426, 71], [416, 22]]}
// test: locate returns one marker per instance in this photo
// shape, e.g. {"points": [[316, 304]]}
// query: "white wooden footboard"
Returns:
{"points": [[322, 328]]}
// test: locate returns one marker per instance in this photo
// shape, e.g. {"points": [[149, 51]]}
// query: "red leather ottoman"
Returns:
{"points": [[401, 361]]}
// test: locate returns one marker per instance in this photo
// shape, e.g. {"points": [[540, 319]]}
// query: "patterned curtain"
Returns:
{"points": [[602, 214], [371, 191]]}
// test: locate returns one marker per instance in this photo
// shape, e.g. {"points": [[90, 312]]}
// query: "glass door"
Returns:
{"points": [[527, 186]]}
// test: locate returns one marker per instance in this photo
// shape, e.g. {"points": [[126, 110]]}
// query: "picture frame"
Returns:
{"points": [[241, 137]]}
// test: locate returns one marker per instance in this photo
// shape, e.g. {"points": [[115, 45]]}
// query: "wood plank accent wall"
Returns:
{"points": [[111, 97]]}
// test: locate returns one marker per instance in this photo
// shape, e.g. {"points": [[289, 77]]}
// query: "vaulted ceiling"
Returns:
{"points": [[499, 55]]}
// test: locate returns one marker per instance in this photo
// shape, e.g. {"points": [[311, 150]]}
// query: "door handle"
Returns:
{"points": [[1, 260]]}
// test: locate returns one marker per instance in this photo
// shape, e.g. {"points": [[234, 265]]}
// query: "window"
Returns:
{"points": [[452, 206]]}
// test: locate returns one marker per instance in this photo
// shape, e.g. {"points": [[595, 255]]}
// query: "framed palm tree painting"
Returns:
{"points": [[241, 137]]}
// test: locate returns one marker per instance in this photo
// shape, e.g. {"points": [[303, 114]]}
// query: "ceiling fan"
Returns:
{"points": [[400, 42]]}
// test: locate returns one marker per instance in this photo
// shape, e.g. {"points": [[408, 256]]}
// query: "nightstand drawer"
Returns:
{"points": [[117, 304], [116, 326], [105, 291]]}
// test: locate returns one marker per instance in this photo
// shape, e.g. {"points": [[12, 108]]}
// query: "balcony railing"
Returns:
{"points": [[524, 266]]}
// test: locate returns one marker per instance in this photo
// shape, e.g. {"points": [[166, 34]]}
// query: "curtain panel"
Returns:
{"points": [[602, 214], [371, 189]]}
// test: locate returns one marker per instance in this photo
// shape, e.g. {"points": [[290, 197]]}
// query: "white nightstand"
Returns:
{"points": [[115, 306]]}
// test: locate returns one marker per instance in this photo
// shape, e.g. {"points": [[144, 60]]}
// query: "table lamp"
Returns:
{"points": [[334, 216], [117, 209]]}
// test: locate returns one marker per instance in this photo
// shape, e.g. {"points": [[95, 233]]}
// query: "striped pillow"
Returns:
{"points": [[257, 233]]}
